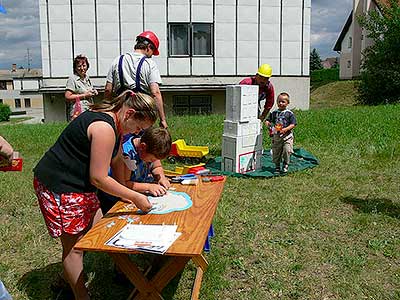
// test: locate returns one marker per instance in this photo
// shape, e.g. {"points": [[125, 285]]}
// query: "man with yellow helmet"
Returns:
{"points": [[266, 89]]}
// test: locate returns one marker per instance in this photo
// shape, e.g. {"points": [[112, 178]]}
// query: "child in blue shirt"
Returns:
{"points": [[142, 157], [282, 121]]}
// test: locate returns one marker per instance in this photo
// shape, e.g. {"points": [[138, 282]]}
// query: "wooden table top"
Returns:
{"points": [[193, 223]]}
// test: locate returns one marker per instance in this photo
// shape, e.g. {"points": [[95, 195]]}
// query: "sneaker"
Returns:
{"points": [[277, 170], [285, 168]]}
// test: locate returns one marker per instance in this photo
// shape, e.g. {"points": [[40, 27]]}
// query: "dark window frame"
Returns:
{"points": [[190, 36], [191, 104], [17, 102], [3, 85], [27, 100]]}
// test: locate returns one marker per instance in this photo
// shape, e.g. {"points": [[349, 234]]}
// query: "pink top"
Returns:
{"points": [[267, 92]]}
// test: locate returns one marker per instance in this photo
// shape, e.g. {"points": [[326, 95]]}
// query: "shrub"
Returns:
{"points": [[5, 112], [380, 74], [325, 75]]}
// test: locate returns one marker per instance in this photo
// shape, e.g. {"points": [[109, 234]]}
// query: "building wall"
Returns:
{"points": [[346, 70], [22, 88], [247, 34], [297, 87], [9, 97]]}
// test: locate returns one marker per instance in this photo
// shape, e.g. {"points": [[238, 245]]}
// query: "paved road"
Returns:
{"points": [[35, 113]]}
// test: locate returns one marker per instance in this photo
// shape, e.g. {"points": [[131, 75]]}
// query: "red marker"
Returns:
{"points": [[217, 178]]}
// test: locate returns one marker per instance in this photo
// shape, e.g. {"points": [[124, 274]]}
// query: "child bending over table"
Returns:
{"points": [[70, 172], [142, 156]]}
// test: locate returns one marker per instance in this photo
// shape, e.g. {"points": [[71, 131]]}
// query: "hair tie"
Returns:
{"points": [[131, 93]]}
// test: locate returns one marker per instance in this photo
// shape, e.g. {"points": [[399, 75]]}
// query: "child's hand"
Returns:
{"points": [[157, 190], [164, 182], [140, 201]]}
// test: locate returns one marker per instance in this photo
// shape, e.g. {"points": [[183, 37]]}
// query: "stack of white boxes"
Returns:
{"points": [[242, 138]]}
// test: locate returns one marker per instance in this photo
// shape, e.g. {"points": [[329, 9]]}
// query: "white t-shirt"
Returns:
{"points": [[149, 72]]}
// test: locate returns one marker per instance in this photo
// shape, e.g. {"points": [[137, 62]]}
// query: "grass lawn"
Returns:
{"points": [[331, 232], [334, 94]]}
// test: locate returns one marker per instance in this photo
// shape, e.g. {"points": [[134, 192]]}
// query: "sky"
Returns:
{"points": [[19, 30]]}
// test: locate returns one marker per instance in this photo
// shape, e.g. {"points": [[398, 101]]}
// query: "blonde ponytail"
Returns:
{"points": [[143, 104]]}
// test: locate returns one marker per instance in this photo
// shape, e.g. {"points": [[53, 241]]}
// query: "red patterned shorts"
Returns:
{"points": [[68, 213]]}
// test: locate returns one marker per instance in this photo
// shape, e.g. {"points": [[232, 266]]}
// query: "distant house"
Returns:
{"points": [[353, 39], [330, 62], [204, 46], [19, 88]]}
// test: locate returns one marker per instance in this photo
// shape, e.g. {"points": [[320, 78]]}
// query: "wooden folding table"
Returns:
{"points": [[193, 223]]}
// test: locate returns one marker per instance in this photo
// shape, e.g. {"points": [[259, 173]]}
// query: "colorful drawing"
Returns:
{"points": [[170, 202]]}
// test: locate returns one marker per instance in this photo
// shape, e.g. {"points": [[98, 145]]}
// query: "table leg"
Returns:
{"points": [[169, 270], [150, 289], [201, 266], [146, 288]]}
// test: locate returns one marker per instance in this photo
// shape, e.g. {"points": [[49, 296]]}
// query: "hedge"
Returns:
{"points": [[5, 112]]}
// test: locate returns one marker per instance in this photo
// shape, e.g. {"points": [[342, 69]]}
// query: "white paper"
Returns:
{"points": [[148, 238]]}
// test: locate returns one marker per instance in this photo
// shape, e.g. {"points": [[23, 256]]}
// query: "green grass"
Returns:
{"points": [[334, 94], [322, 77], [331, 232]]}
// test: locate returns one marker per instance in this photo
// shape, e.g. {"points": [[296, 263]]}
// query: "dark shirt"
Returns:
{"points": [[285, 117], [65, 166]]}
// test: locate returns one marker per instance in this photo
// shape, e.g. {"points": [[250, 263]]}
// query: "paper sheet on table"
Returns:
{"points": [[147, 238]]}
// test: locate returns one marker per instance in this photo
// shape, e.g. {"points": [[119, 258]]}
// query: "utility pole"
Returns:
{"points": [[28, 58]]}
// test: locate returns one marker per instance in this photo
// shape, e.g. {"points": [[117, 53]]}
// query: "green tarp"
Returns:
{"points": [[300, 160]]}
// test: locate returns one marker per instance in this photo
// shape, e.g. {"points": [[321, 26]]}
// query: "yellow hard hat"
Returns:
{"points": [[265, 70]]}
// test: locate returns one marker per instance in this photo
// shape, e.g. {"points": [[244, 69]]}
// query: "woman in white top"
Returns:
{"points": [[79, 87]]}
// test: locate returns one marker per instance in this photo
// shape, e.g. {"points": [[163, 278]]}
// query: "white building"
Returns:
{"points": [[353, 39], [204, 45], [19, 89]]}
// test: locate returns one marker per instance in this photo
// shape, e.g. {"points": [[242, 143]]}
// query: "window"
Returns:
{"points": [[202, 37], [179, 43], [3, 85], [190, 39], [17, 103], [350, 42], [349, 64], [192, 105], [27, 102]]}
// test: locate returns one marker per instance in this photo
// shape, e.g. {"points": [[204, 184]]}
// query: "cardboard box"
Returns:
{"points": [[239, 129], [241, 103], [241, 154], [16, 163]]}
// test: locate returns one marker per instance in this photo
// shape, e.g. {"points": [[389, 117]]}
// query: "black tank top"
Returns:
{"points": [[65, 166]]}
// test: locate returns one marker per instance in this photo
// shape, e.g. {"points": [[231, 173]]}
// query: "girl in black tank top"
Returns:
{"points": [[70, 172]]}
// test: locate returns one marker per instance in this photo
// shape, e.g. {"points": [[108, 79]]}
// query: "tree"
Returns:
{"points": [[380, 68], [315, 60]]}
